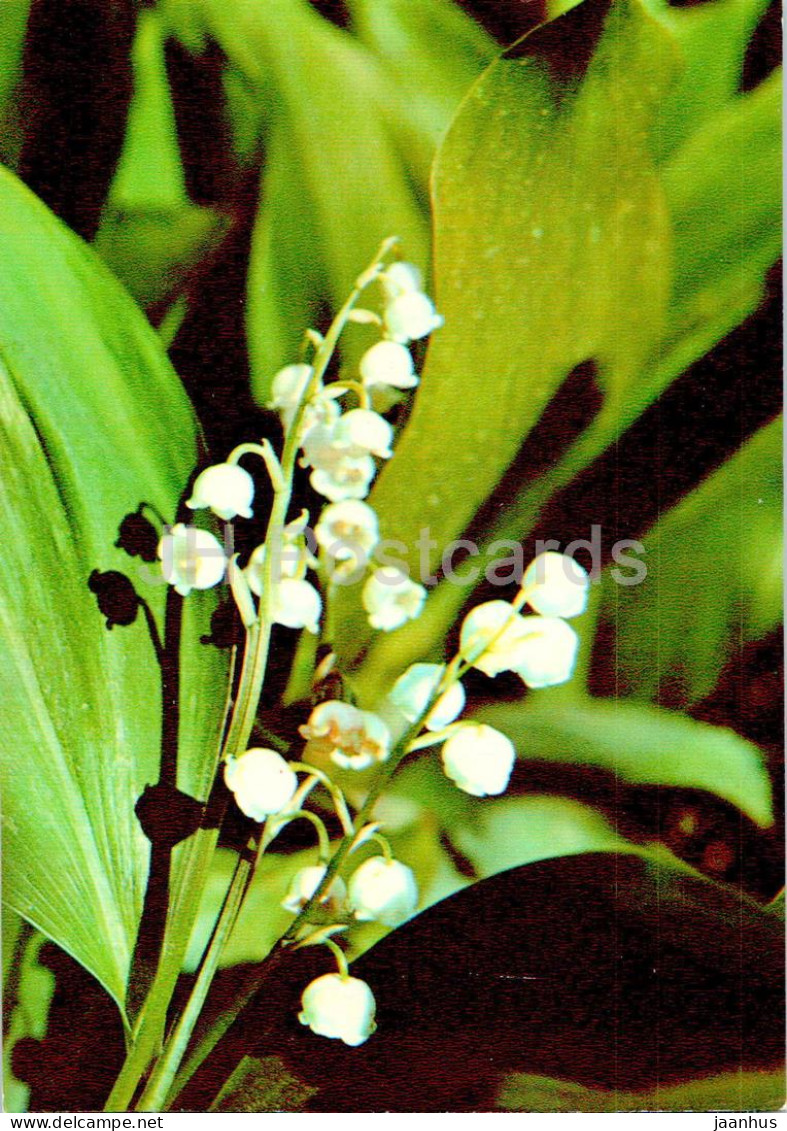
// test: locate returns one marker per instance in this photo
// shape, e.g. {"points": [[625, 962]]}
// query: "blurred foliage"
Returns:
{"points": [[27, 993]]}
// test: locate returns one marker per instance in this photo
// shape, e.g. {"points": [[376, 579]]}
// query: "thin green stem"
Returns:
{"points": [[162, 1076]]}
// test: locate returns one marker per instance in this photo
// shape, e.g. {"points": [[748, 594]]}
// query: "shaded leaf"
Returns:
{"points": [[730, 1091], [713, 585], [570, 261], [640, 744], [94, 422], [262, 1085]]}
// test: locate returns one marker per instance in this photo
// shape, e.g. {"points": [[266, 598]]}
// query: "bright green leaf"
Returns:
{"points": [[94, 422], [640, 744]]}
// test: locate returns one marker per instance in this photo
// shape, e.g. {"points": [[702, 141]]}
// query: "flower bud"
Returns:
{"points": [[388, 363], [287, 389], [226, 488], [339, 1006], [384, 891], [191, 559], [262, 782], [413, 690], [556, 585], [479, 759]]}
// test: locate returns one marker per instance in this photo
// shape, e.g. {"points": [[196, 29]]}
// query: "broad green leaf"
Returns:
{"points": [[703, 288], [730, 1091], [640, 744], [94, 422], [552, 246], [714, 579]]}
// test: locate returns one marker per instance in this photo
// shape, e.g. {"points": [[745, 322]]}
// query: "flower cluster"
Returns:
{"points": [[342, 446]]}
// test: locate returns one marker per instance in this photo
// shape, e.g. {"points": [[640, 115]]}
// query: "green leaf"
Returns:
{"points": [[153, 253], [552, 246], [559, 145], [432, 51], [714, 579], [730, 1091], [94, 422], [262, 1084], [639, 744], [13, 23], [520, 830], [149, 173]]}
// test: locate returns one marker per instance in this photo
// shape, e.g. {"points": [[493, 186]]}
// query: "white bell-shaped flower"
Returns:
{"points": [[262, 782], [556, 585], [347, 530], [410, 316], [287, 389], [383, 891], [388, 363], [413, 690], [348, 478], [479, 759], [390, 598], [191, 559], [296, 604], [491, 637], [226, 488], [364, 432], [339, 1006], [351, 738], [547, 653], [305, 883], [400, 278]]}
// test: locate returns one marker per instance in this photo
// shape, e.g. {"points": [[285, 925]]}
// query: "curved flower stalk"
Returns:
{"points": [[342, 446]]}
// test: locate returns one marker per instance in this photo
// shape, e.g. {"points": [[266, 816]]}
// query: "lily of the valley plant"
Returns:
{"points": [[332, 429]]}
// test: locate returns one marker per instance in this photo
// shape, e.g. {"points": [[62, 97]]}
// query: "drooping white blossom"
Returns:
{"points": [[261, 781], [479, 759], [191, 559], [226, 488], [541, 650], [388, 363], [410, 316], [305, 883], [339, 1006], [548, 653], [413, 690], [390, 598], [363, 432], [556, 585], [349, 477], [287, 390], [400, 278], [351, 738], [348, 530], [383, 891]]}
